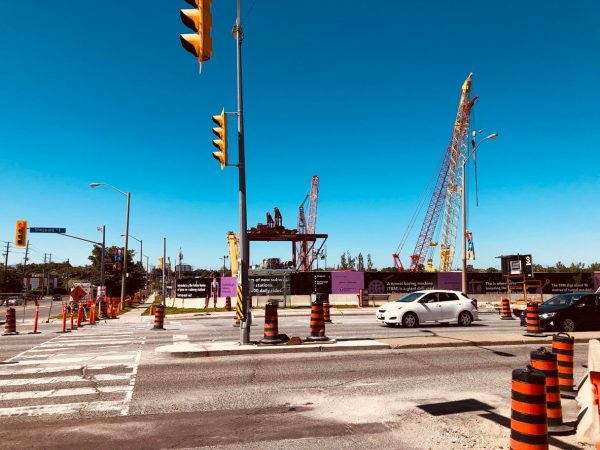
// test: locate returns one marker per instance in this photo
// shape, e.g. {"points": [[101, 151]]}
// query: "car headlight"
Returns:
{"points": [[548, 315]]}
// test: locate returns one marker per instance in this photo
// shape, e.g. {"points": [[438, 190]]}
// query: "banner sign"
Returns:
{"points": [[390, 282], [347, 282], [267, 285], [229, 287], [306, 283], [192, 287], [451, 281]]}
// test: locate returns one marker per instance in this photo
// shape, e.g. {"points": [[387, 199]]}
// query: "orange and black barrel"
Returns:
{"points": [[505, 313], [10, 326], [533, 320], [545, 362], [227, 303], [326, 316], [528, 422], [317, 324], [159, 317], [563, 345], [271, 331], [104, 308]]}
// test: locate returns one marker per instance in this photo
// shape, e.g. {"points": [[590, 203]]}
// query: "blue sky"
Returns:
{"points": [[363, 94]]}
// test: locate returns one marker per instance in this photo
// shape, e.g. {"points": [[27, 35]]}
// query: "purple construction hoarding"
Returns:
{"points": [[347, 282], [449, 280], [229, 287]]}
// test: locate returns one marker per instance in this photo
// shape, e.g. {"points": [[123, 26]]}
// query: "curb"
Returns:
{"points": [[190, 350]]}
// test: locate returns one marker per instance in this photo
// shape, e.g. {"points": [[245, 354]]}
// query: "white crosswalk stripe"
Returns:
{"points": [[89, 371]]}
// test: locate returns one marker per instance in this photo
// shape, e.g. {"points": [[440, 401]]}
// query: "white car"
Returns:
{"points": [[436, 306]]}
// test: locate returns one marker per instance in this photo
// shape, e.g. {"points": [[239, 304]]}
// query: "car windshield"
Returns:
{"points": [[562, 300], [410, 297]]}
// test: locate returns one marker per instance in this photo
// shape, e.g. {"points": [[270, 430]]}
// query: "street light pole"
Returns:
{"points": [[464, 208], [124, 274]]}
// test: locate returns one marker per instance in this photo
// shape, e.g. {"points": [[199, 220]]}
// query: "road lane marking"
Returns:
{"points": [[80, 359], [65, 408], [64, 379], [58, 369], [62, 392]]}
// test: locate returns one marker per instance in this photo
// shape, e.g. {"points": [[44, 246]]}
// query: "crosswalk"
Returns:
{"points": [[87, 372]]}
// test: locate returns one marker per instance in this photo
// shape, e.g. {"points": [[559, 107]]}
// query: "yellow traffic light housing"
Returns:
{"points": [[161, 262], [199, 20], [21, 233], [221, 143]]}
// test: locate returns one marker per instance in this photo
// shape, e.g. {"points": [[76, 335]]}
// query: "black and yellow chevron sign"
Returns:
{"points": [[239, 306]]}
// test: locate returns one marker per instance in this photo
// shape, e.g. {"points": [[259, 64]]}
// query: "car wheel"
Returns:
{"points": [[567, 325], [465, 319], [410, 320]]}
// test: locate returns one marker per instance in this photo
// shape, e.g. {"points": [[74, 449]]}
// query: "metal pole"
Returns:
{"points": [[102, 259], [25, 264], [124, 275], [163, 271], [464, 230], [246, 322], [141, 248], [5, 263]]}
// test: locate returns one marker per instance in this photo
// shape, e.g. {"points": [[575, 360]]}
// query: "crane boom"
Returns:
{"points": [[447, 182]]}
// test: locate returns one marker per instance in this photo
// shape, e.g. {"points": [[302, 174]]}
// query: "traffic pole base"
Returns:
{"points": [[530, 334], [568, 395], [558, 430]]}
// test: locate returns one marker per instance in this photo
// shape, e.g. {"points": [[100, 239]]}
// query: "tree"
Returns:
{"points": [[136, 278], [343, 263], [351, 260], [369, 262], [361, 263], [11, 281]]}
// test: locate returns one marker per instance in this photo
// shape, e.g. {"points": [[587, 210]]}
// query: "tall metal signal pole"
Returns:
{"points": [[246, 321]]}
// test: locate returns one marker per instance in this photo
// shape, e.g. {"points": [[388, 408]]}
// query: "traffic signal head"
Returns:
{"points": [[221, 143], [199, 20], [21, 233], [161, 262]]}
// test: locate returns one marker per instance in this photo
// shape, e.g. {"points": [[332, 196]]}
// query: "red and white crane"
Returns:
{"points": [[446, 197], [308, 256]]}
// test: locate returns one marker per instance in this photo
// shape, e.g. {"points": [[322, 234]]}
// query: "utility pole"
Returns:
{"points": [[246, 321], [102, 260], [163, 271], [5, 262], [24, 264], [48, 279]]}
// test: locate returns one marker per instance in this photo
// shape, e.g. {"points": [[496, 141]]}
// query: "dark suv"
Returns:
{"points": [[571, 312]]}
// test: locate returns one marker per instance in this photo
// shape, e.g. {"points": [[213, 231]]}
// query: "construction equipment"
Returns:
{"points": [[234, 242], [307, 257], [446, 197]]}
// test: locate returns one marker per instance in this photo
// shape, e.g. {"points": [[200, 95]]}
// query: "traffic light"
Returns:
{"points": [[161, 262], [221, 143], [199, 20], [21, 233]]}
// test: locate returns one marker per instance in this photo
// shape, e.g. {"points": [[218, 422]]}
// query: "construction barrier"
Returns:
{"points": [[505, 313], [10, 326], [563, 345], [528, 422], [545, 362], [533, 320], [93, 314], [317, 324], [326, 316], [72, 319], [64, 319], [271, 330], [104, 308], [227, 304], [79, 315], [159, 317], [35, 320]]}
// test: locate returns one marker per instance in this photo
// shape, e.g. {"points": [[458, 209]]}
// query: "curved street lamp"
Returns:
{"points": [[124, 274], [464, 208]]}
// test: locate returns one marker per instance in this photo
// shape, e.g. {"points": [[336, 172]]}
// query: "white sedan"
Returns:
{"points": [[436, 306]]}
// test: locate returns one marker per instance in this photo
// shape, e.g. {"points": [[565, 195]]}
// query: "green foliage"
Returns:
{"points": [[112, 276], [10, 281]]}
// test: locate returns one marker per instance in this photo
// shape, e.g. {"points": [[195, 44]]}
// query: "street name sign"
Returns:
{"points": [[47, 230]]}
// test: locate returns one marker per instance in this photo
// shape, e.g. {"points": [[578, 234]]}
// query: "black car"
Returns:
{"points": [[570, 312]]}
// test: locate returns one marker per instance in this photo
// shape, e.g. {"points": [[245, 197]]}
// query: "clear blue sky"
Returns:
{"points": [[363, 94]]}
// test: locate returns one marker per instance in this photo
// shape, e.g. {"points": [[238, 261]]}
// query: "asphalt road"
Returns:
{"points": [[105, 387]]}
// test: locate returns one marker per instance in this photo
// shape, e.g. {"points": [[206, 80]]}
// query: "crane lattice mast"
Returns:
{"points": [[308, 225], [446, 194]]}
